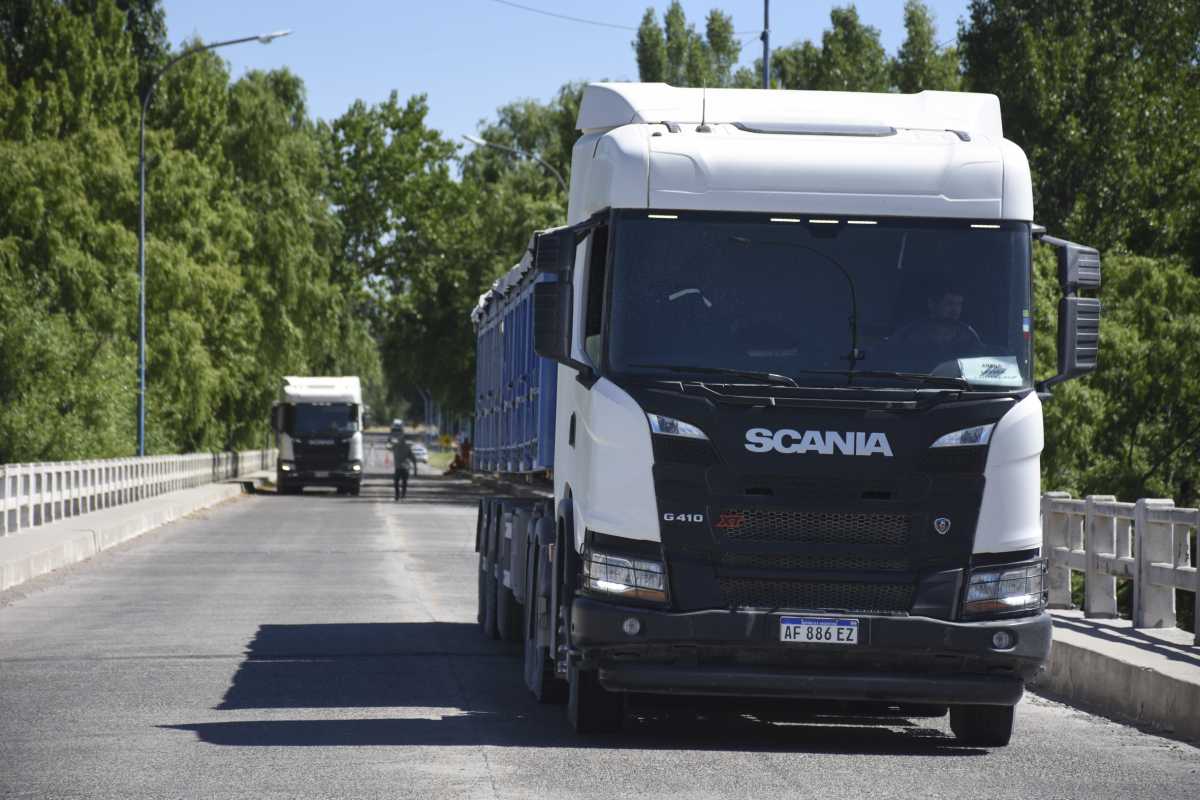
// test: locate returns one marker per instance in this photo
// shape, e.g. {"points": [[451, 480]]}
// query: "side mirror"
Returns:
{"points": [[1078, 336], [1078, 317], [554, 252], [1078, 265], [552, 320], [276, 418], [553, 300]]}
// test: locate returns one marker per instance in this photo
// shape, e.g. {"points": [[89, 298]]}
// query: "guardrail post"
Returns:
{"points": [[4, 500], [1100, 531], [1153, 605], [1055, 525]]}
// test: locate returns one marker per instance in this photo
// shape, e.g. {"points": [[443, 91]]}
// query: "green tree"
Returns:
{"points": [[850, 59], [244, 278], [677, 54], [919, 64], [1103, 98], [1132, 428]]}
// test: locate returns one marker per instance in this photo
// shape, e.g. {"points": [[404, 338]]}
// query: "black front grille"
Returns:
{"points": [[792, 595], [322, 456], [778, 525], [845, 563]]}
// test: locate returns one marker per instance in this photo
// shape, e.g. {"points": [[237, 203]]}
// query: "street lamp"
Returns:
{"points": [[481, 143], [265, 38]]}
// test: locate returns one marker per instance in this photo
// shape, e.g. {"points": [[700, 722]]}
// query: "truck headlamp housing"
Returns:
{"points": [[356, 467], [1006, 590], [286, 466], [669, 426], [980, 434], [625, 576]]}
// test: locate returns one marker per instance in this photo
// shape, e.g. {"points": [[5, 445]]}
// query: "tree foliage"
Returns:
{"points": [[1105, 99], [242, 245], [676, 53]]}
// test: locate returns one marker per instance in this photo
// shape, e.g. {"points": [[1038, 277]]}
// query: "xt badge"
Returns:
{"points": [[942, 525]]}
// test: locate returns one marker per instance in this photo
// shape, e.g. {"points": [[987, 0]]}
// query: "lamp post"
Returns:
{"points": [[481, 143], [265, 38]]}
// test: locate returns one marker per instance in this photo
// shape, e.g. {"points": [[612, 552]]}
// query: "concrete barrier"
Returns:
{"points": [[1147, 677], [60, 544]]}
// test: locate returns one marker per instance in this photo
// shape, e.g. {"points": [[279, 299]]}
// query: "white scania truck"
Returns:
{"points": [[318, 431], [784, 389]]}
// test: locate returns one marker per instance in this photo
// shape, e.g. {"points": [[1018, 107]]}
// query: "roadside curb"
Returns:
{"points": [[37, 551], [1099, 674]]}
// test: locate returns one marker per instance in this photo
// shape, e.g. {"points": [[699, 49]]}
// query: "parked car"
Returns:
{"points": [[420, 453]]}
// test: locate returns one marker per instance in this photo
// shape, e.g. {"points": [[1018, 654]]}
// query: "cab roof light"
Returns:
{"points": [[987, 226], [823, 221], [662, 216], [784, 219], [861, 222]]}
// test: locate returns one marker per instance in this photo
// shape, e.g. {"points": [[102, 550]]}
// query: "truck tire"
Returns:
{"points": [[508, 614], [508, 620], [539, 669], [590, 707], [982, 726]]}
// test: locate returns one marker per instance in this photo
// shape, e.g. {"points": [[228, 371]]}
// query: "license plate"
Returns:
{"points": [[818, 630], [321, 474]]}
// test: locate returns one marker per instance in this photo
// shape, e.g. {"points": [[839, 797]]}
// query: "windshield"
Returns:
{"points": [[324, 419], [813, 298]]}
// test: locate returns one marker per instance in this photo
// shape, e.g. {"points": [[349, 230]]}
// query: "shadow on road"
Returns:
{"points": [[448, 490], [459, 689]]}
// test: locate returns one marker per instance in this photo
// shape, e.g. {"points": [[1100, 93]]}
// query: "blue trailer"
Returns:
{"points": [[514, 387]]}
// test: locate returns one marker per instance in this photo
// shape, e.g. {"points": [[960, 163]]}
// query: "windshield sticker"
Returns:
{"points": [[991, 371]]}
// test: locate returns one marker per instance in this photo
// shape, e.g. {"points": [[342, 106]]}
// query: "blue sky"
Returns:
{"points": [[471, 56]]}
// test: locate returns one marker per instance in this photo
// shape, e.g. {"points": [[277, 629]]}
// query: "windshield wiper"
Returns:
{"points": [[947, 381], [765, 377], [856, 355]]}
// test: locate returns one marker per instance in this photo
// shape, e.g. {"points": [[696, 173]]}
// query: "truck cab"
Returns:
{"points": [[318, 431], [797, 435]]}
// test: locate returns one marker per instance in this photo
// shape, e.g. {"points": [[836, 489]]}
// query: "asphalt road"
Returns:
{"points": [[323, 646]]}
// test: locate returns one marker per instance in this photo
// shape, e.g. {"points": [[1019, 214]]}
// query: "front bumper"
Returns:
{"points": [[303, 474], [900, 659]]}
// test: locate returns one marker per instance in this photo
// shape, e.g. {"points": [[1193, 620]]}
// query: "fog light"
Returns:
{"points": [[631, 626], [1002, 640]]}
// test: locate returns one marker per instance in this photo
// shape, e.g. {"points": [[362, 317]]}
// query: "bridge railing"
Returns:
{"points": [[1151, 543], [39, 493]]}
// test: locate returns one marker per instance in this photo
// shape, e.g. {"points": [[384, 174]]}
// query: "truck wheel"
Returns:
{"points": [[487, 599], [508, 614], [590, 707], [539, 670], [982, 726]]}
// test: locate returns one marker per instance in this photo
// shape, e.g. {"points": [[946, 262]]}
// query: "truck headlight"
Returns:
{"points": [[668, 426], [980, 434], [286, 466], [1004, 590], [625, 576], [356, 467]]}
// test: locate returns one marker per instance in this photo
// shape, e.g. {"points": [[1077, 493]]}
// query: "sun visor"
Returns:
{"points": [[908, 174]]}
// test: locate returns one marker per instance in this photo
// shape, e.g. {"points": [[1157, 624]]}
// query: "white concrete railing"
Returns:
{"points": [[1149, 542], [35, 494]]}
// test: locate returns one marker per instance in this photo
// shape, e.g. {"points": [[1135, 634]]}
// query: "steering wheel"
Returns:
{"points": [[932, 331]]}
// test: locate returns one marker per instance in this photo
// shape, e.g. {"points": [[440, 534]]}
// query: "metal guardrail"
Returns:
{"points": [[39, 493], [1149, 542]]}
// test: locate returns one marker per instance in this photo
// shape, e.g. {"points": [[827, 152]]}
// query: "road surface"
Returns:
{"points": [[324, 646]]}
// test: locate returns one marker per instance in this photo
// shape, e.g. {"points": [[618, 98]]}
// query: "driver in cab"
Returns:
{"points": [[942, 330]]}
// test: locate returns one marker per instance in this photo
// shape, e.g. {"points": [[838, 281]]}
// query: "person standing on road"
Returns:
{"points": [[402, 456]]}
